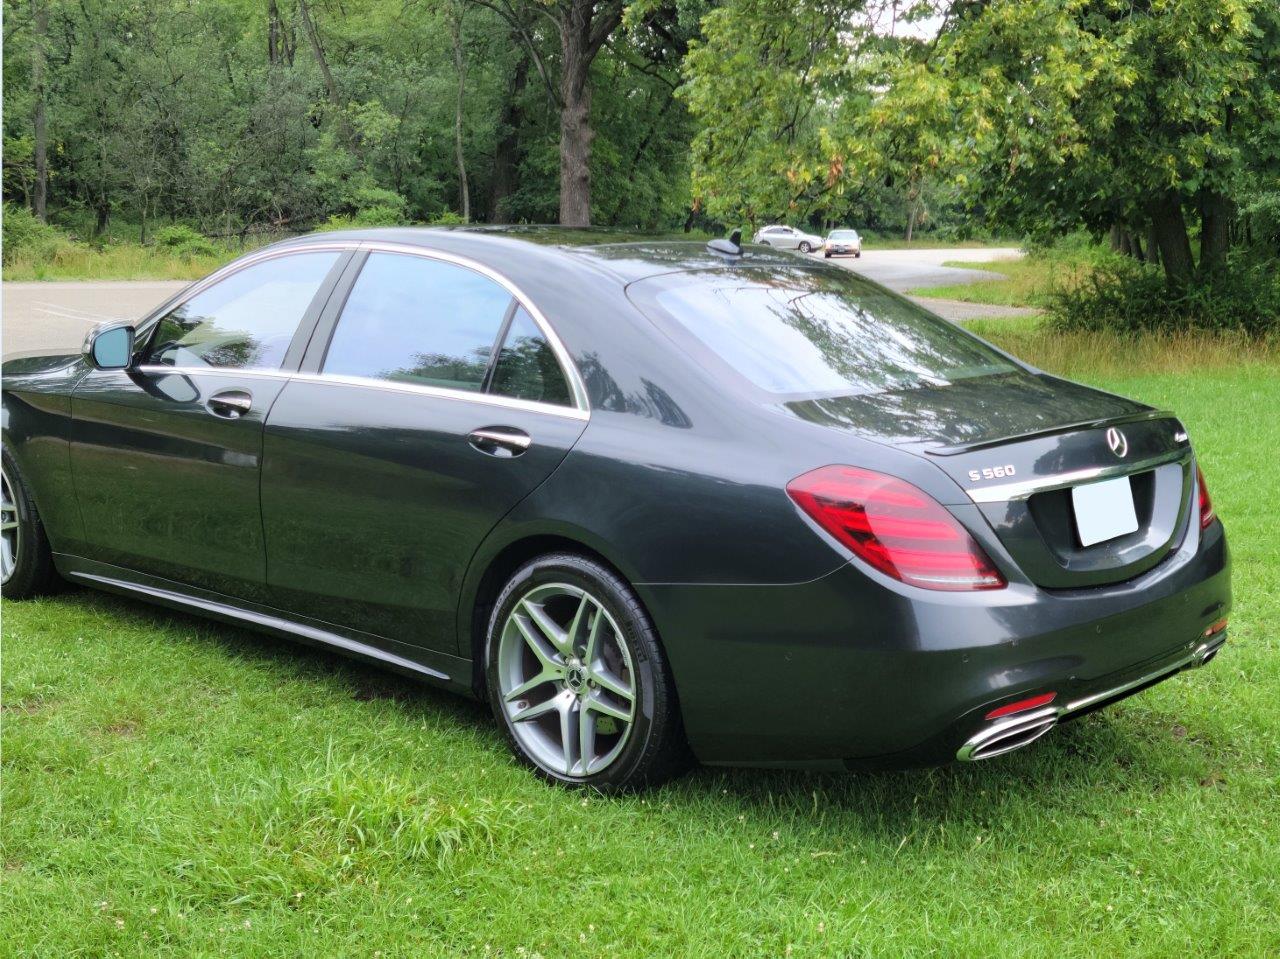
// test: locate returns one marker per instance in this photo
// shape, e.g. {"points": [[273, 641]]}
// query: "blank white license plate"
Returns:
{"points": [[1104, 510]]}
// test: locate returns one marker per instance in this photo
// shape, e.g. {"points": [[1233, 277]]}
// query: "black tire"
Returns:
{"points": [[858, 255], [764, 243], [654, 750], [33, 573], [826, 256], [805, 247]]}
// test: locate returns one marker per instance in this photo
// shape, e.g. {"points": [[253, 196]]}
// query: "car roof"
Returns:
{"points": [[625, 256]]}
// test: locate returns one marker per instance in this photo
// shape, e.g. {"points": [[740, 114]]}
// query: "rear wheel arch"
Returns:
{"points": [[478, 605]]}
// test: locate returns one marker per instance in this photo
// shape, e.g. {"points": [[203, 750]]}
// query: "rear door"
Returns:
{"points": [[165, 455], [405, 439]]}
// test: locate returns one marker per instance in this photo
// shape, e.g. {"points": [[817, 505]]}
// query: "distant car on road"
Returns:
{"points": [[842, 243], [788, 238]]}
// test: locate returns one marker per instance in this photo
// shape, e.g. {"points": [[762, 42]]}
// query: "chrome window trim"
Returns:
{"points": [[1004, 492], [443, 392], [333, 379], [160, 369], [568, 367]]}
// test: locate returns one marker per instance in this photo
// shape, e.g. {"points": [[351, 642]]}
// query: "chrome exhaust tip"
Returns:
{"points": [[1006, 735], [1206, 651]]}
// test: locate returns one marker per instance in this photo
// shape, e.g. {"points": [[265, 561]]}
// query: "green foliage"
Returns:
{"points": [[172, 109], [1122, 295], [184, 242], [25, 237]]}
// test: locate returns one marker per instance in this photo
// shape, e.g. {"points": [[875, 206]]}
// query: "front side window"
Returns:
{"points": [[795, 331], [245, 321], [527, 368], [411, 319]]}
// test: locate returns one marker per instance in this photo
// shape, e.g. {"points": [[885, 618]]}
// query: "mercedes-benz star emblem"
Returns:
{"points": [[1118, 443]]}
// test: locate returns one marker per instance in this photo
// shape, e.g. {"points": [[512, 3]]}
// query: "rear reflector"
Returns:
{"points": [[1216, 628], [1206, 504], [1022, 705], [895, 527]]}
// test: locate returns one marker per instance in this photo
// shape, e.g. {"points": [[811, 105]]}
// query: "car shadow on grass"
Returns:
{"points": [[1101, 755], [363, 682]]}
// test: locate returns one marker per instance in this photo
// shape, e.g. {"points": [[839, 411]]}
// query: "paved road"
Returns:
{"points": [[52, 316], [904, 270], [55, 316]]}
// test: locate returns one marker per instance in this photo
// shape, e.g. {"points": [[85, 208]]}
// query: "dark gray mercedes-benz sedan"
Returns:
{"points": [[653, 501]]}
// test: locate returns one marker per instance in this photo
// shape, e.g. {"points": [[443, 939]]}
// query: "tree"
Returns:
{"points": [[1150, 116]]}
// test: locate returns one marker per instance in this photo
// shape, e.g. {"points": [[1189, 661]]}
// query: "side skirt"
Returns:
{"points": [[438, 669]]}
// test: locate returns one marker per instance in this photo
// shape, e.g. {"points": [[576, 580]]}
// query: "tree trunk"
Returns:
{"points": [[1215, 233], [273, 33], [506, 160], [1170, 228], [1153, 248], [330, 86], [584, 28], [575, 131], [39, 29], [460, 66]]}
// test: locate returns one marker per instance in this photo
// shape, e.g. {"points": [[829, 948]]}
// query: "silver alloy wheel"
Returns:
{"points": [[567, 681], [10, 531]]}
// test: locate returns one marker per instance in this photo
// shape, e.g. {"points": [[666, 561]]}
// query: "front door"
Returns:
{"points": [[166, 455], [385, 468]]}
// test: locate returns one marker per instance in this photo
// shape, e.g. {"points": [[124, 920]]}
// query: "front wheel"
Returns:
{"points": [[26, 562], [804, 246], [577, 678]]}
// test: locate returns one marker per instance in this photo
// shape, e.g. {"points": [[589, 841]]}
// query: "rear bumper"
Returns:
{"points": [[844, 671], [1007, 733]]}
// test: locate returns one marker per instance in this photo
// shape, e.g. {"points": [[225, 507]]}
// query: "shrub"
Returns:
{"points": [[1124, 296], [175, 235], [184, 242], [27, 238]]}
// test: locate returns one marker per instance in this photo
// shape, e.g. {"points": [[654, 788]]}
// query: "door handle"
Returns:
{"points": [[230, 404], [500, 440]]}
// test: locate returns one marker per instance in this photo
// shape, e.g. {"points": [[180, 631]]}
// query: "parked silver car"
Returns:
{"points": [[788, 238], [842, 243]]}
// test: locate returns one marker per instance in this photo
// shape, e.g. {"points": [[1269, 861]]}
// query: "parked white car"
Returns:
{"points": [[842, 243], [788, 238]]}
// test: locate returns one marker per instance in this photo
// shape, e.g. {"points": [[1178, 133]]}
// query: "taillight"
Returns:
{"points": [[1206, 504], [895, 527]]}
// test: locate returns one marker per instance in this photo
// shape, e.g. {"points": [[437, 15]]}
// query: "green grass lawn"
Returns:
{"points": [[177, 788]]}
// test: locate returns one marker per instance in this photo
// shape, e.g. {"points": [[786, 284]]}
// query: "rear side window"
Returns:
{"points": [[804, 332], [527, 369], [412, 319], [245, 321]]}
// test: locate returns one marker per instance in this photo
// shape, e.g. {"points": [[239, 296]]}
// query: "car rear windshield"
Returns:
{"points": [[810, 332], [844, 234]]}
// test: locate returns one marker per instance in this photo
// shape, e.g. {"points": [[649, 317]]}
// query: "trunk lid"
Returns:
{"points": [[1018, 443]]}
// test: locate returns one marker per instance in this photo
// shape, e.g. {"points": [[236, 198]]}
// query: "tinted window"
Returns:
{"points": [[245, 321], [798, 331], [527, 368], [416, 320]]}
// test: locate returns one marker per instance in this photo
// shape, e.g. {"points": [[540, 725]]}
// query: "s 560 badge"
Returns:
{"points": [[992, 472]]}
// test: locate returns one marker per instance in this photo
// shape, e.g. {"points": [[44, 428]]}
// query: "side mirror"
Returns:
{"points": [[110, 347]]}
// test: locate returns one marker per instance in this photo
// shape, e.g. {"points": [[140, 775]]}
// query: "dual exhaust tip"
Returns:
{"points": [[1015, 726]]}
